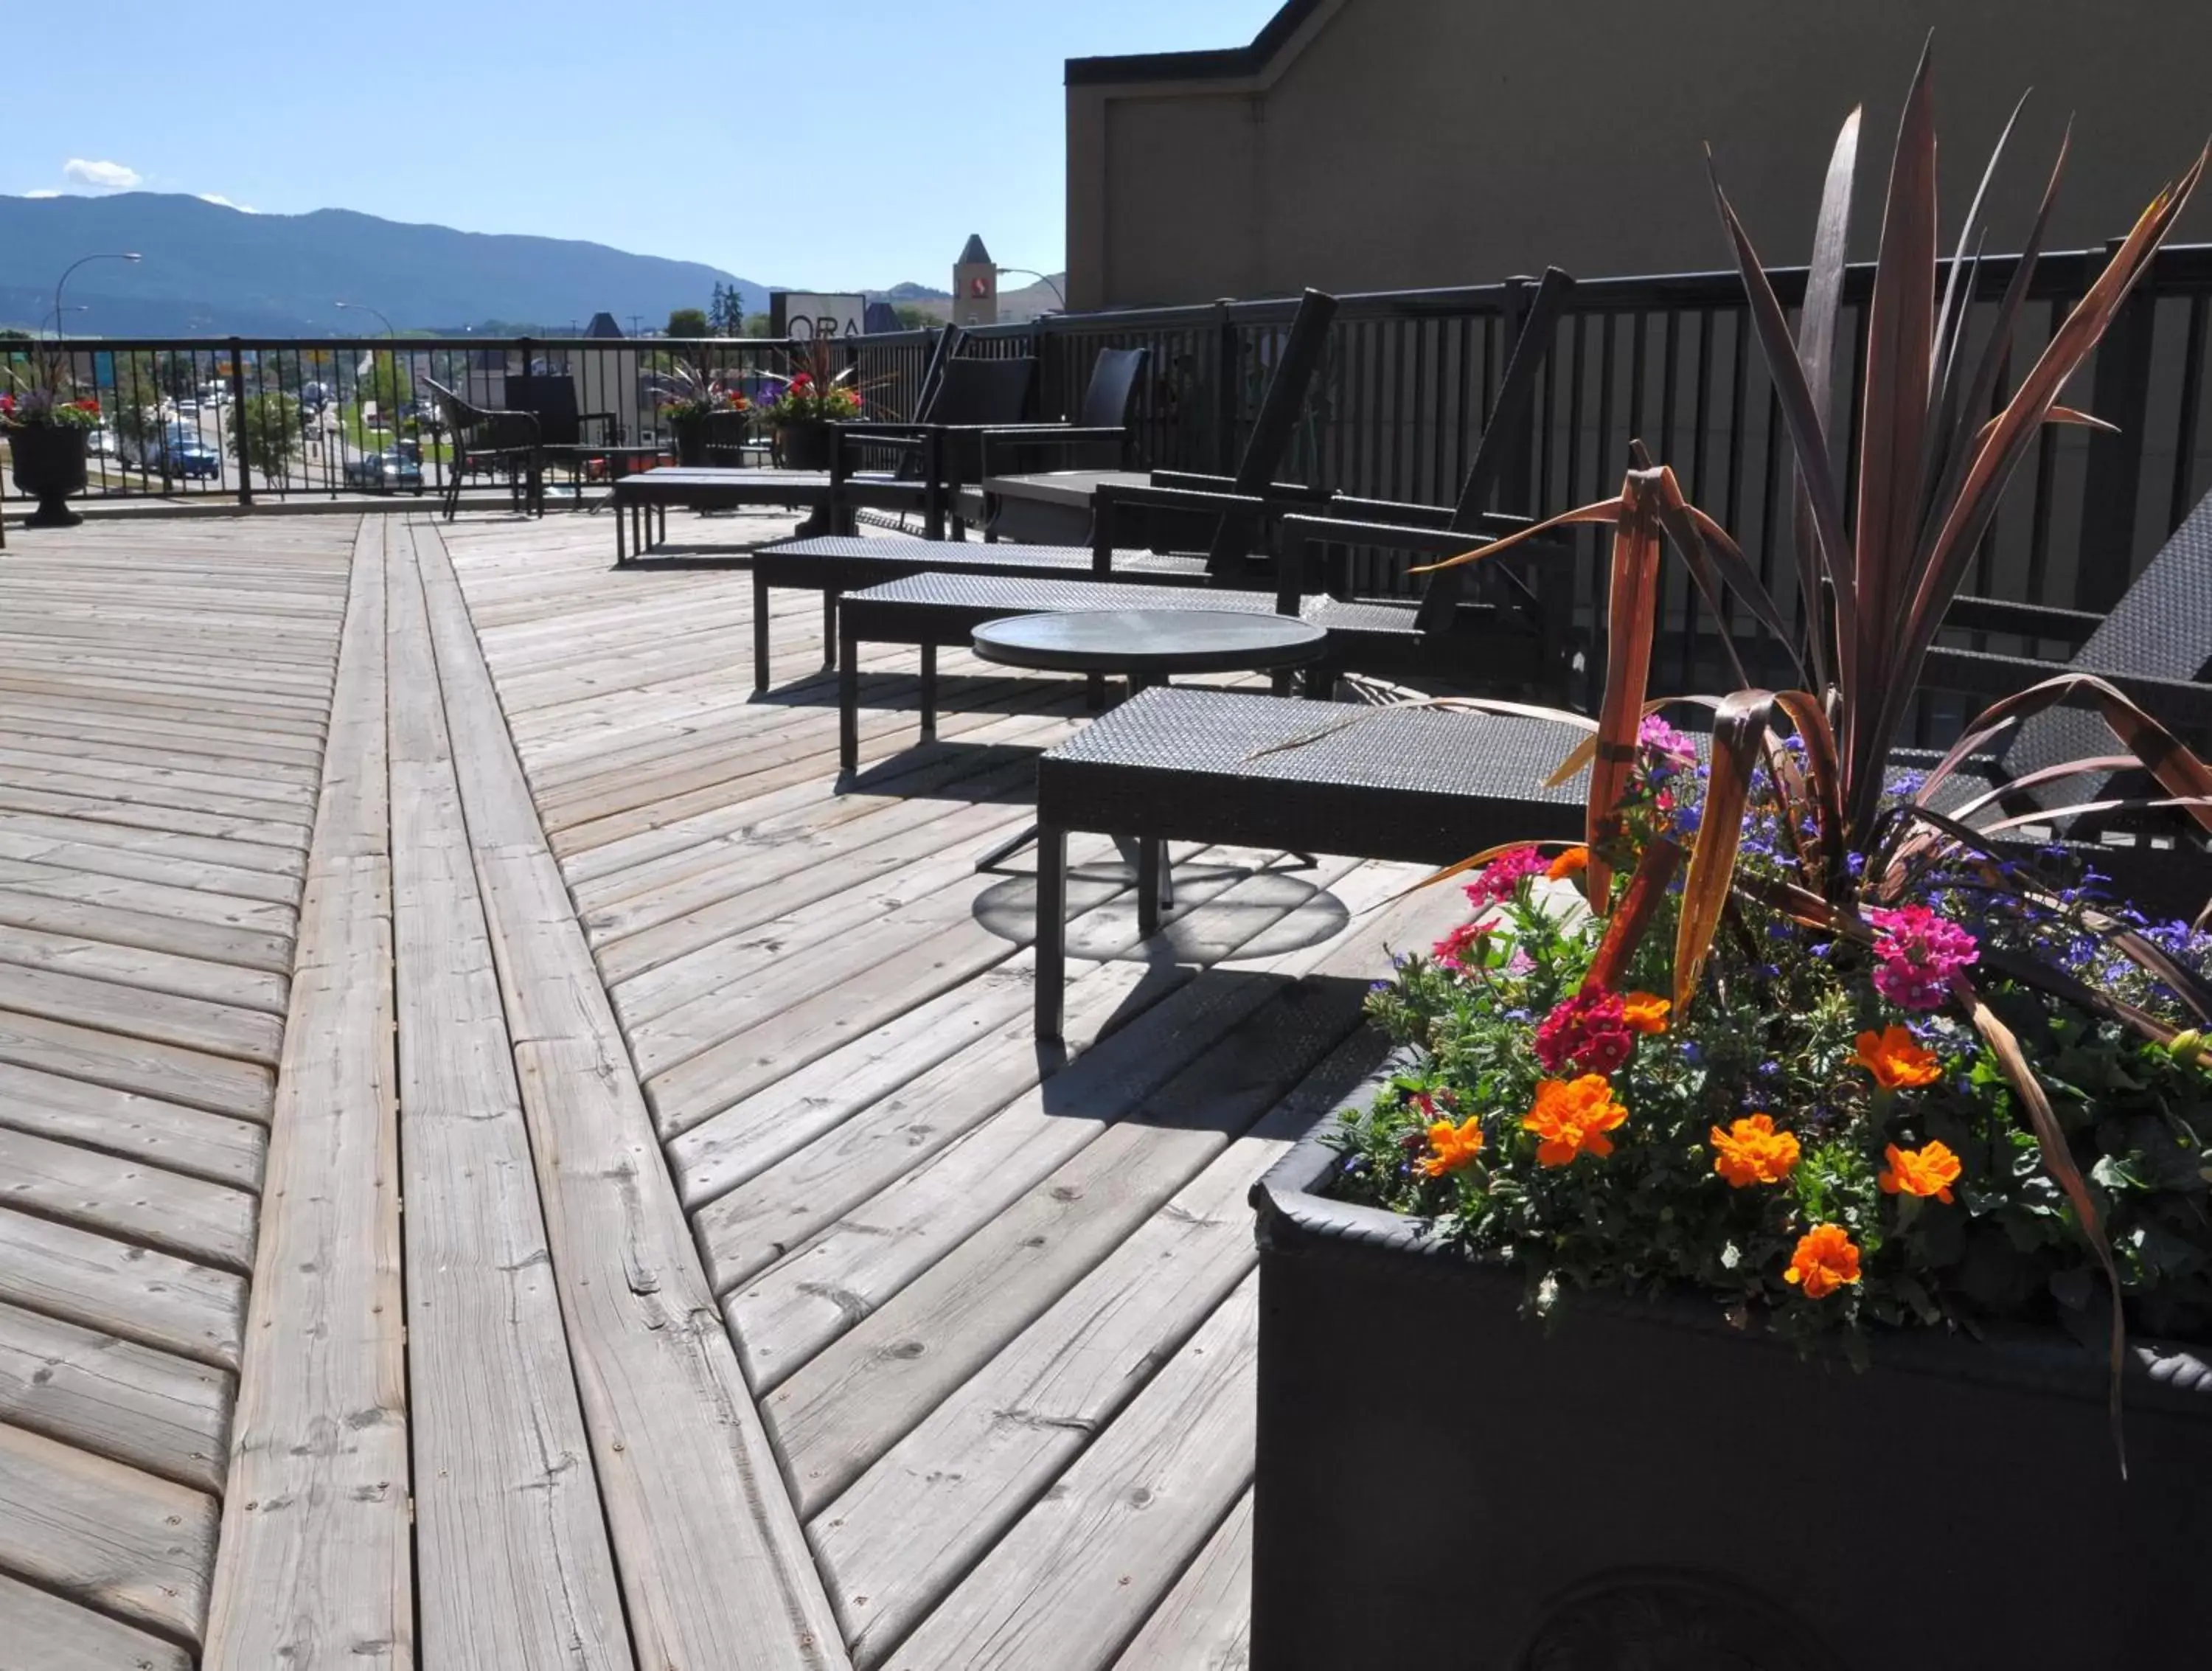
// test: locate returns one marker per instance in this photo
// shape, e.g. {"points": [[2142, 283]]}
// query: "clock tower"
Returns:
{"points": [[974, 285]]}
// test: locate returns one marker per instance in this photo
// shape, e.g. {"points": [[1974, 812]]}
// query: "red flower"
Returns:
{"points": [[1589, 1032], [88, 405]]}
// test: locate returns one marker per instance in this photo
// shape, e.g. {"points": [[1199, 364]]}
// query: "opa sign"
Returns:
{"points": [[805, 315]]}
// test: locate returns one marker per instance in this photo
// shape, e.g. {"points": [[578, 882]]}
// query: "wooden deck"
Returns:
{"points": [[763, 1295]]}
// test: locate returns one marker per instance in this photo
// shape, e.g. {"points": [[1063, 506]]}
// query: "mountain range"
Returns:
{"points": [[208, 269]]}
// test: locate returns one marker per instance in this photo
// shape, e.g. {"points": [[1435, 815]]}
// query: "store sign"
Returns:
{"points": [[803, 315]]}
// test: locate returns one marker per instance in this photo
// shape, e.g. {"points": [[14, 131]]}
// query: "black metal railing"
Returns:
{"points": [[1402, 396]]}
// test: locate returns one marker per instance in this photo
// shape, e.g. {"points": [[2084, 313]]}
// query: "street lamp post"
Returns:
{"points": [[1031, 272], [105, 255], [364, 307]]}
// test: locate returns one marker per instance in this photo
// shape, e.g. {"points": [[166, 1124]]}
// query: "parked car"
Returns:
{"points": [[392, 470], [176, 451], [100, 443]]}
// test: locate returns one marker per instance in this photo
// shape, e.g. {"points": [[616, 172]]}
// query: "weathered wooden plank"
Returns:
{"points": [[1076, 1578], [1049, 1342], [209, 1223], [217, 1084], [315, 1568], [1042, 1194], [165, 1415], [1206, 1622], [715, 1567], [205, 941], [224, 984], [986, 1430], [107, 1536], [154, 1298], [99, 859], [58, 880], [232, 856], [180, 1139], [783, 1206], [43, 1632], [190, 1024], [512, 1565]]}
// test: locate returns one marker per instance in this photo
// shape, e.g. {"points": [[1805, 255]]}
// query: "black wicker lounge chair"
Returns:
{"points": [[2156, 646], [935, 608], [1417, 784], [641, 501], [1472, 643], [835, 564]]}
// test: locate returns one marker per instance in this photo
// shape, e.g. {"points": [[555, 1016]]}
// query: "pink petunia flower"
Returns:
{"points": [[1916, 954]]}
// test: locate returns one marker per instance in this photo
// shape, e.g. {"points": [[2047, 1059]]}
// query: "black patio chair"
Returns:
{"points": [[487, 440], [567, 437], [1098, 435], [937, 453]]}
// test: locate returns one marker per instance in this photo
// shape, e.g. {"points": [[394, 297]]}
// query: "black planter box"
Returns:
{"points": [[1638, 1486]]}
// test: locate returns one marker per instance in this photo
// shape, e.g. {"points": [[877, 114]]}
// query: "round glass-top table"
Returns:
{"points": [[1148, 647]]}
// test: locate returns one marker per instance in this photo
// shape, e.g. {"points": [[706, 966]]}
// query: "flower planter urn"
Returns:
{"points": [[1444, 1482], [809, 444], [49, 466], [690, 438]]}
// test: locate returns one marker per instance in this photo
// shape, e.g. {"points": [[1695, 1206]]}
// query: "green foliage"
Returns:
{"points": [[688, 322], [757, 324], [912, 316], [389, 382], [265, 432]]}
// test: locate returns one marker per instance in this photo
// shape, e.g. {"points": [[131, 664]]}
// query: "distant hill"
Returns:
{"points": [[213, 270], [910, 291]]}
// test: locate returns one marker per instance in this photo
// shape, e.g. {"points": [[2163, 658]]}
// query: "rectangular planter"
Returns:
{"points": [[1639, 1487]]}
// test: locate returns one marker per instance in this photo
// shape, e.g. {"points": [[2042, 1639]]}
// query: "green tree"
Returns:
{"points": [[756, 325], [913, 316], [178, 373], [265, 432], [687, 322], [134, 406], [389, 382]]}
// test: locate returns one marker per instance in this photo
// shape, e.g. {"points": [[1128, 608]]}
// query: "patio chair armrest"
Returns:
{"points": [[2182, 704], [1201, 483], [1998, 615], [1394, 510]]}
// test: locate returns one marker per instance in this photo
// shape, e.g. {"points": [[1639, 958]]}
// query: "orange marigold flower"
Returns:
{"points": [[1752, 1151], [1645, 1011], [1930, 1170], [1573, 862], [1573, 1116], [1451, 1147], [1825, 1259], [1896, 1060]]}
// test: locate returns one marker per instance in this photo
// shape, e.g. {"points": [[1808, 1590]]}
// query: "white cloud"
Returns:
{"points": [[101, 176], [47, 193], [221, 202]]}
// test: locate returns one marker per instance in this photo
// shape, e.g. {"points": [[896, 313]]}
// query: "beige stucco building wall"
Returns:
{"points": [[1378, 145]]}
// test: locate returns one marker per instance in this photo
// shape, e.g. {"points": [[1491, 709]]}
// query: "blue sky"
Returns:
{"points": [[820, 144]]}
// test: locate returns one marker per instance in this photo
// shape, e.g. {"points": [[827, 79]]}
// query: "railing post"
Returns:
{"points": [[238, 423], [1228, 387], [1514, 493], [2105, 562]]}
